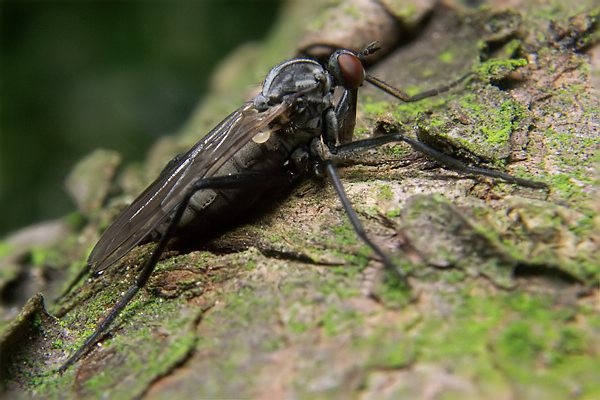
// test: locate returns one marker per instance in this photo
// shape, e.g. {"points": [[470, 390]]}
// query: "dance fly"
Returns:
{"points": [[294, 127]]}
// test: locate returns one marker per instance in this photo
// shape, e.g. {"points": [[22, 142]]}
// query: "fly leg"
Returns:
{"points": [[321, 153], [443, 159], [219, 182], [355, 221], [83, 272], [339, 127], [347, 150]]}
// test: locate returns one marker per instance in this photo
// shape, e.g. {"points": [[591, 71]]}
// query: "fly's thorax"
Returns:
{"points": [[308, 88], [293, 80]]}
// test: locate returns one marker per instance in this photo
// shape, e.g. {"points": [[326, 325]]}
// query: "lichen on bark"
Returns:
{"points": [[503, 280]]}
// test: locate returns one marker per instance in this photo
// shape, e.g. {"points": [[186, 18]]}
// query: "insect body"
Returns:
{"points": [[255, 140], [292, 127]]}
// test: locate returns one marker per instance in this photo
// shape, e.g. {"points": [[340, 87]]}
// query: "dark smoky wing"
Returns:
{"points": [[160, 199], [146, 211]]}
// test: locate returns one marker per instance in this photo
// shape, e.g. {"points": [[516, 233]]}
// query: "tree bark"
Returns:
{"points": [[502, 299]]}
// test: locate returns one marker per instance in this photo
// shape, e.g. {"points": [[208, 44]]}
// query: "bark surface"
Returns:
{"points": [[503, 300]]}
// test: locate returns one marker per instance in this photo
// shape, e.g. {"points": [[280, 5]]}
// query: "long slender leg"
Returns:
{"points": [[221, 182], [84, 271], [322, 154], [349, 149], [340, 124], [355, 221]]}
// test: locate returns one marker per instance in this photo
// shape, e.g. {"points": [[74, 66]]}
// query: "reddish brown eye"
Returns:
{"points": [[352, 70]]}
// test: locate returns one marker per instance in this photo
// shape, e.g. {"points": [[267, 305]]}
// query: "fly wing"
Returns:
{"points": [[160, 199]]}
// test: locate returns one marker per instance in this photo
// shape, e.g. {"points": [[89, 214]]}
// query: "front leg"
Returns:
{"points": [[320, 152], [217, 182], [345, 112]]}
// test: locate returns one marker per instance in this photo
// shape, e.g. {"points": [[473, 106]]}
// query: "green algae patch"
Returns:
{"points": [[497, 69], [408, 113], [500, 302], [141, 352], [149, 338], [388, 348], [375, 109], [278, 318], [479, 124], [5, 249], [446, 57], [576, 176], [344, 242], [394, 291], [518, 335], [25, 341]]}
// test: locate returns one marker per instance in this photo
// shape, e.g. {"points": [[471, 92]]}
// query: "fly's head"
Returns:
{"points": [[347, 69]]}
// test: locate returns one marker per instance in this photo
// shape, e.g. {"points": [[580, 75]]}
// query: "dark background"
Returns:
{"points": [[75, 76]]}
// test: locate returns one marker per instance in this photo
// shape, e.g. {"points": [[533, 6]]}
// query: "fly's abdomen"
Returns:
{"points": [[210, 206]]}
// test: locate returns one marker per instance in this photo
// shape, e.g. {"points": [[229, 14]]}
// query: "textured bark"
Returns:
{"points": [[503, 280]]}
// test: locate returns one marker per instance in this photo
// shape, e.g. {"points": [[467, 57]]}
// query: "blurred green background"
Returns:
{"points": [[75, 76]]}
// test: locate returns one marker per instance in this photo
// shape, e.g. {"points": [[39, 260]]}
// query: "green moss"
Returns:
{"points": [[361, 132], [576, 163], [517, 329], [454, 276], [337, 283], [297, 327], [335, 321], [511, 49], [385, 193], [511, 115], [393, 213], [585, 226], [154, 361], [250, 265], [496, 69], [398, 151], [352, 11], [388, 350], [518, 342], [402, 10], [488, 336], [446, 57], [5, 249], [344, 234], [38, 256], [75, 221], [495, 124], [132, 348], [409, 112], [345, 242], [564, 184], [375, 109], [571, 341], [394, 291], [426, 73]]}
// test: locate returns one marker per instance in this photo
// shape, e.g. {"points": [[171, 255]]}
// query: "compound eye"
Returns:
{"points": [[352, 70]]}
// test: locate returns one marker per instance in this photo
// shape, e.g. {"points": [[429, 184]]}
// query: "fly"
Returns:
{"points": [[292, 128]]}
